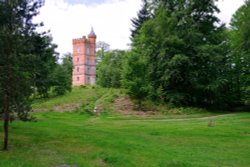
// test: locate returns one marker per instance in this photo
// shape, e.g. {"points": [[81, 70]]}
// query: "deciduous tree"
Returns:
{"points": [[110, 68], [184, 48], [61, 77], [240, 42]]}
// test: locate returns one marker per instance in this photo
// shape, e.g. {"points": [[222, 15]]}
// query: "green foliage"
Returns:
{"points": [[109, 69], [89, 108], [104, 103], [240, 55], [61, 77], [19, 47], [180, 56], [134, 77], [45, 58], [142, 16]]}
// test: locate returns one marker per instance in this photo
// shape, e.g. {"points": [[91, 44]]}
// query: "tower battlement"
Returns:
{"points": [[79, 40]]}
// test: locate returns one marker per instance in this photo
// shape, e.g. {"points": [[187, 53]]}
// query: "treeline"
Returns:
{"points": [[28, 62], [183, 55], [52, 76]]}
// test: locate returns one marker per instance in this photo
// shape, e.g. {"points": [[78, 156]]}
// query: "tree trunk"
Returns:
{"points": [[34, 86], [6, 122], [6, 132]]}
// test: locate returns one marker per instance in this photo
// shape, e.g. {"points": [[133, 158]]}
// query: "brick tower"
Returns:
{"points": [[84, 60]]}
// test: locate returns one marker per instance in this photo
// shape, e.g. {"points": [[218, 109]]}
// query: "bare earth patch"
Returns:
{"points": [[209, 118], [67, 107], [61, 108], [40, 110], [124, 105]]}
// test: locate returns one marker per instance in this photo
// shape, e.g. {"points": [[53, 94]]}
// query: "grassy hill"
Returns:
{"points": [[119, 139]]}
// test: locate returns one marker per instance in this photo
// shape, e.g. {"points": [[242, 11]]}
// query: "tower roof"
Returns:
{"points": [[92, 33]]}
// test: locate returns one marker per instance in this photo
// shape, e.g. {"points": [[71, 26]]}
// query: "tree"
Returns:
{"points": [[110, 68], [142, 16], [240, 42], [45, 57], [61, 77], [184, 49], [102, 48], [134, 78], [16, 32]]}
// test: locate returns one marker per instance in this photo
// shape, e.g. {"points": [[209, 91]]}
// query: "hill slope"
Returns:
{"points": [[81, 139]]}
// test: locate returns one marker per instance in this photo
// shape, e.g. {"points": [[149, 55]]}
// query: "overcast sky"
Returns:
{"points": [[68, 19]]}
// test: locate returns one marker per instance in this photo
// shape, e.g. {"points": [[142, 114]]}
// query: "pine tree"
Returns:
{"points": [[42, 61], [16, 49], [142, 16], [46, 62]]}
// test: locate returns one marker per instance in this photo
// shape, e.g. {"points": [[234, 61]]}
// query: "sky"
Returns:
{"points": [[110, 19]]}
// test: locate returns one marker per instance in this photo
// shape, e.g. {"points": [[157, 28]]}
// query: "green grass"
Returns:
{"points": [[83, 140], [78, 96], [76, 138]]}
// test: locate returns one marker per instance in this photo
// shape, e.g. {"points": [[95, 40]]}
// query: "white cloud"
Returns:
{"points": [[111, 20]]}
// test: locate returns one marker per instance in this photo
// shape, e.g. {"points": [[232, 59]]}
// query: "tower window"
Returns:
{"points": [[78, 49], [88, 50], [77, 69], [78, 59], [78, 78]]}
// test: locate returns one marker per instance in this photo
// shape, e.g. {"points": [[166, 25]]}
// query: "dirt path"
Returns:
{"points": [[183, 119]]}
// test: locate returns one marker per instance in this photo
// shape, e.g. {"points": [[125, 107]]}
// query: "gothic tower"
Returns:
{"points": [[84, 60]]}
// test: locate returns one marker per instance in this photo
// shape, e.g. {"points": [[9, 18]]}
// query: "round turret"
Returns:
{"points": [[92, 34]]}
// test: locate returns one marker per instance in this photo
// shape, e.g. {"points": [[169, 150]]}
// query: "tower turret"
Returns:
{"points": [[92, 36], [92, 33]]}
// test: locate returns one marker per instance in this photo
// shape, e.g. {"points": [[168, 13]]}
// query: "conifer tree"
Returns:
{"points": [[142, 16], [16, 57]]}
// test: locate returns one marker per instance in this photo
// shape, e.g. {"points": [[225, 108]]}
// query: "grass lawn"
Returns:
{"points": [[78, 139], [75, 139]]}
